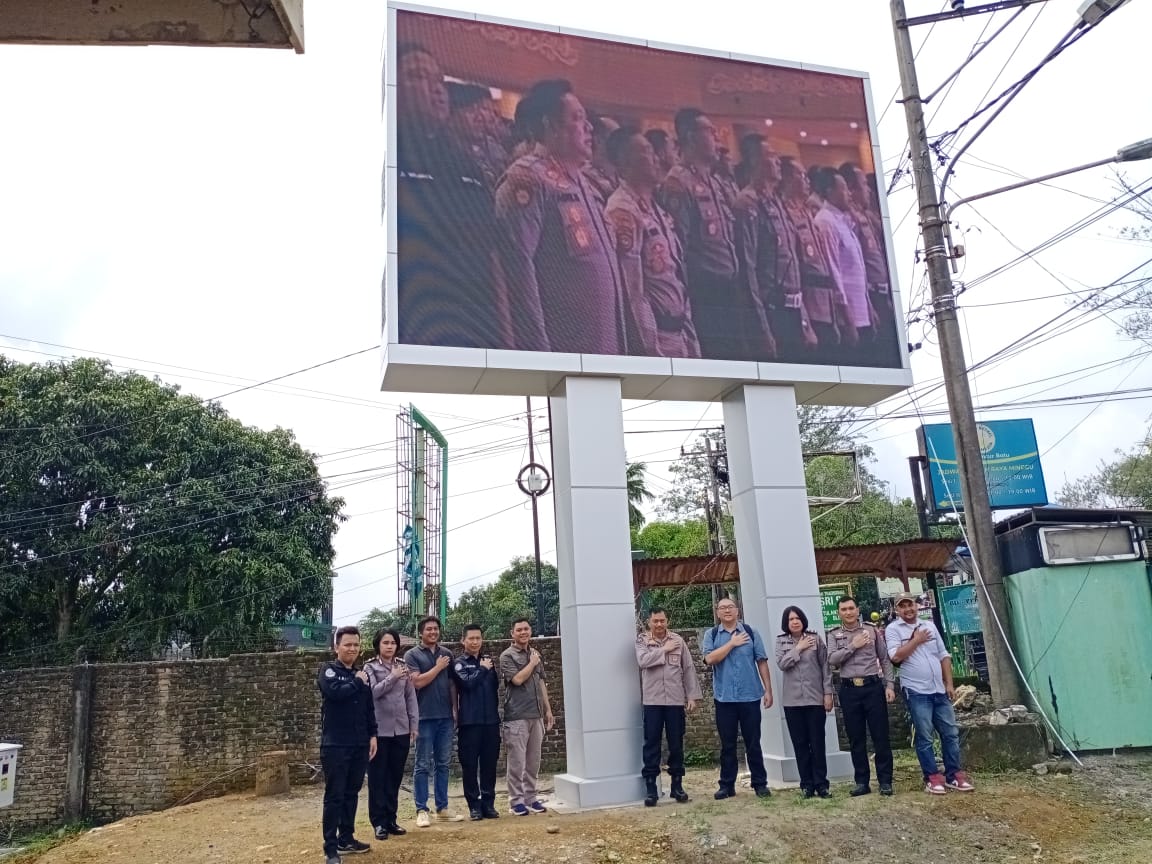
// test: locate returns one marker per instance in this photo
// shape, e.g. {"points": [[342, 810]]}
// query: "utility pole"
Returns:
{"points": [[977, 510], [534, 482]]}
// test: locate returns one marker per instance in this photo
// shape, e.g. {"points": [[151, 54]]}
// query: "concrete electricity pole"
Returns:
{"points": [[973, 489]]}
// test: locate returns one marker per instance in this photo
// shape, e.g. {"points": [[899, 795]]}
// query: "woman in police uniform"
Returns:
{"points": [[807, 697]]}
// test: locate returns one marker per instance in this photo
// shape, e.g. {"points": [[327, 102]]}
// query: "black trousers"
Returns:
{"points": [[788, 328], [806, 729], [723, 317], [385, 774], [658, 721], [344, 769], [865, 710], [479, 748], [742, 717]]}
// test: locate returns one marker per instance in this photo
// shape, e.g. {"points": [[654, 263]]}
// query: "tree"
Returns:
{"points": [[129, 513], [496, 605], [385, 619], [672, 539], [1126, 482], [1132, 297], [638, 492]]}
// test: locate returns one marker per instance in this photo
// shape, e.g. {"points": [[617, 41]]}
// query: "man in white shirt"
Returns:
{"points": [[926, 681], [845, 253]]}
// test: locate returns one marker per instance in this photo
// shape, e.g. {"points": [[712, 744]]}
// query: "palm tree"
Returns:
{"points": [[637, 493]]}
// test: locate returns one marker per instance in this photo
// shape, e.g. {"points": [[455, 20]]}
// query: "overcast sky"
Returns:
{"points": [[218, 210]]}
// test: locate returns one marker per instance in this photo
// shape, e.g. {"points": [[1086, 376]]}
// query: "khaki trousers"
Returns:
{"points": [[522, 742]]}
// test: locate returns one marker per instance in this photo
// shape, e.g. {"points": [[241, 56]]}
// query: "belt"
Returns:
{"points": [[879, 287], [669, 323], [859, 682]]}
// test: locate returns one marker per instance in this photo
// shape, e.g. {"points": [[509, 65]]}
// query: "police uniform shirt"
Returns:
{"points": [[816, 277], [446, 243], [871, 659], [767, 245], [652, 269], [347, 713], [872, 246], [703, 219], [602, 182], [559, 260]]}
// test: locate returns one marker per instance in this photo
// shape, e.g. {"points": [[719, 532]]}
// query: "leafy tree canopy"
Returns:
{"points": [[131, 514], [1125, 482]]}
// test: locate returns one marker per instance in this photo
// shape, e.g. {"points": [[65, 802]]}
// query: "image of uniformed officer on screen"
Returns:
{"points": [[558, 251], [445, 233], [769, 253], [823, 300], [600, 170], [696, 200], [870, 228], [664, 148], [651, 260]]}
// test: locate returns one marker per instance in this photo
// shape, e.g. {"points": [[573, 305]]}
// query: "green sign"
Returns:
{"points": [[829, 601], [960, 609]]}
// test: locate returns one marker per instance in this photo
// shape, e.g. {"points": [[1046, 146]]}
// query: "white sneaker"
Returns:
{"points": [[447, 815], [423, 820]]}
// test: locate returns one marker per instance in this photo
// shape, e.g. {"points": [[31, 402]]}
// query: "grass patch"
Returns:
{"points": [[35, 844]]}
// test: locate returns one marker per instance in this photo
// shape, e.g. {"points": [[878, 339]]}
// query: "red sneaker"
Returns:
{"points": [[934, 785], [961, 783]]}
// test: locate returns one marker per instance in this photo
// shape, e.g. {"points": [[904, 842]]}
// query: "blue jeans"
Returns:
{"points": [[933, 711], [433, 754]]}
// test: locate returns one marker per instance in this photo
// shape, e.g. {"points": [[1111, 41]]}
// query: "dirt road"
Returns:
{"points": [[1102, 815]]}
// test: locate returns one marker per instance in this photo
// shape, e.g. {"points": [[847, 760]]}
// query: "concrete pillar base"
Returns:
{"points": [[579, 793]]}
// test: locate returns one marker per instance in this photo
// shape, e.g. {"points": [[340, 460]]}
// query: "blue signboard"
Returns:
{"points": [[959, 609], [1011, 465]]}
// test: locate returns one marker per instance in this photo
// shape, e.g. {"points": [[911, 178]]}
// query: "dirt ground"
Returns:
{"points": [[1101, 815]]}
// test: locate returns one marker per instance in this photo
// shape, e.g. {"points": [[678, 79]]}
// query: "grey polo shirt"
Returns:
{"points": [[521, 701]]}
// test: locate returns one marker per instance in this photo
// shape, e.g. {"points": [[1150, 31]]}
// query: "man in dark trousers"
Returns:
{"points": [[478, 723], [347, 743], [858, 651]]}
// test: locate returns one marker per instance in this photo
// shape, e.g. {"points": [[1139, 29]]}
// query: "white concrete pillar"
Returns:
{"points": [[602, 710], [774, 545]]}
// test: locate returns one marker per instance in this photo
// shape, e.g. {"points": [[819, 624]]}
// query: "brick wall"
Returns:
{"points": [[36, 711], [161, 731]]}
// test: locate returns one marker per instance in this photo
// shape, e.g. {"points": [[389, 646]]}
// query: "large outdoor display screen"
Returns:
{"points": [[567, 194]]}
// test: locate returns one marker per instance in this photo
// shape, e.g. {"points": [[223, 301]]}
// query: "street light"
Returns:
{"points": [[1132, 153]]}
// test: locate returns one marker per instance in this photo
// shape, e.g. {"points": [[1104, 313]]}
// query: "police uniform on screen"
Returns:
{"points": [[652, 267], [821, 293], [446, 288], [699, 207], [767, 246], [559, 261]]}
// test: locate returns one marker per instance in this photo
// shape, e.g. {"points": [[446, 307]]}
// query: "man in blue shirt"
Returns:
{"points": [[741, 683], [428, 667]]}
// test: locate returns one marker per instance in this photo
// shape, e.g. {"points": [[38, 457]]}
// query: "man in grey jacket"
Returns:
{"points": [[669, 688]]}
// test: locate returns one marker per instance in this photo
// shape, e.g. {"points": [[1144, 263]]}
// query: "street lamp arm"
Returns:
{"points": [[949, 209]]}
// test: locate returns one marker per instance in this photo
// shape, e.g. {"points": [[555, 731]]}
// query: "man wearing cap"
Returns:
{"points": [[926, 682], [857, 649]]}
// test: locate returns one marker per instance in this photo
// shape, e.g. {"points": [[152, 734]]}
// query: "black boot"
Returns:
{"points": [[651, 796], [678, 790]]}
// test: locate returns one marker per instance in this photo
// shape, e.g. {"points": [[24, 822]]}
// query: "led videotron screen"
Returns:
{"points": [[560, 193]]}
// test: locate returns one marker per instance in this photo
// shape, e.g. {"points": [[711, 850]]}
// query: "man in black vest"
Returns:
{"points": [[347, 743]]}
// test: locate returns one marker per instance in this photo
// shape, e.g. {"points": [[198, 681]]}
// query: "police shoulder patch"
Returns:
{"points": [[625, 229], [459, 666], [329, 672]]}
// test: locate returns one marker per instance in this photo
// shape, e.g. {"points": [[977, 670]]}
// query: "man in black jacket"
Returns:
{"points": [[478, 723], [347, 743]]}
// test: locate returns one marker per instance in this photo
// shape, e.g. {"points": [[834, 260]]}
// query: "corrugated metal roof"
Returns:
{"points": [[887, 559]]}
